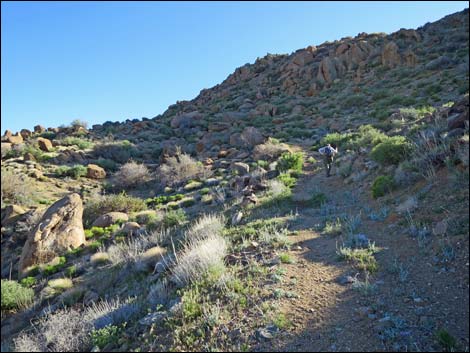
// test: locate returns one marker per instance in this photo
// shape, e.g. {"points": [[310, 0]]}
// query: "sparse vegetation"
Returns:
{"points": [[15, 296], [179, 169], [391, 151], [100, 205], [382, 185], [131, 175], [16, 189], [75, 172], [291, 161]]}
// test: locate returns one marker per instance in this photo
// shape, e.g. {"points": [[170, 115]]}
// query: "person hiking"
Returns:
{"points": [[328, 152]]}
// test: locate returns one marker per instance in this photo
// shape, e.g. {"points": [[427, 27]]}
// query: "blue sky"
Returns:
{"points": [[99, 61]]}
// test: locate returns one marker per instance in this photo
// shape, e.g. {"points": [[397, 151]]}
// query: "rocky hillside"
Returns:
{"points": [[213, 226]]}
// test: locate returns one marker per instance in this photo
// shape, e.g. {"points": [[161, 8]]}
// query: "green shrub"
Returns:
{"points": [[187, 201], [51, 269], [28, 281], [391, 151], [291, 161], [287, 180], [340, 140], [317, 200], [98, 206], [382, 185], [174, 218], [75, 172], [104, 336], [285, 258], [71, 271], [77, 141], [119, 152], [367, 135], [38, 154], [107, 164], [446, 340], [204, 191], [15, 296], [152, 202]]}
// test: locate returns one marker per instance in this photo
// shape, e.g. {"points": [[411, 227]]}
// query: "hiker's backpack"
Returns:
{"points": [[329, 151]]}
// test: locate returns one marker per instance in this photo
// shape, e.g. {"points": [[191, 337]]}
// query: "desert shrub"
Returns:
{"points": [[179, 169], [104, 336], [69, 330], [199, 257], [363, 259], [446, 340], [28, 282], [338, 139], [60, 284], [382, 185], [15, 296], [317, 200], [64, 330], [187, 202], [391, 151], [367, 135], [355, 100], [111, 312], [158, 200], [128, 251], [99, 258], [120, 151], [107, 164], [131, 174], [77, 141], [270, 150], [34, 150], [100, 205], [205, 226], [291, 161], [192, 185], [416, 113], [174, 218], [75, 172], [429, 151], [56, 267], [77, 123], [287, 179], [18, 189]]}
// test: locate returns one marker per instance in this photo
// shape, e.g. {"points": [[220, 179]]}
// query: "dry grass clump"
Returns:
{"points": [[131, 175], [205, 226], [17, 189], [203, 251], [68, 330], [181, 168], [271, 149], [63, 331]]}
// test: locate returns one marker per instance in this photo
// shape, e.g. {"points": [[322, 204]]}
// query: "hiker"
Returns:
{"points": [[328, 153]]}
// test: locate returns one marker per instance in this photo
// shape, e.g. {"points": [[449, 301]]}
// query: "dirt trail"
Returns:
{"points": [[329, 315]]}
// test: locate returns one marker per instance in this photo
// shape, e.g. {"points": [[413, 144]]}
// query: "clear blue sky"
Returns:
{"points": [[100, 61]]}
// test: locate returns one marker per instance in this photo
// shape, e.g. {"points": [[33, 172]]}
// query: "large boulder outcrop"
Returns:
{"points": [[110, 218], [15, 139], [39, 129], [45, 144], [95, 172], [390, 55], [185, 120], [59, 230], [252, 136]]}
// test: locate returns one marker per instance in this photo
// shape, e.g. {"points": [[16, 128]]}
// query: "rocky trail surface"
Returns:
{"points": [[399, 307]]}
